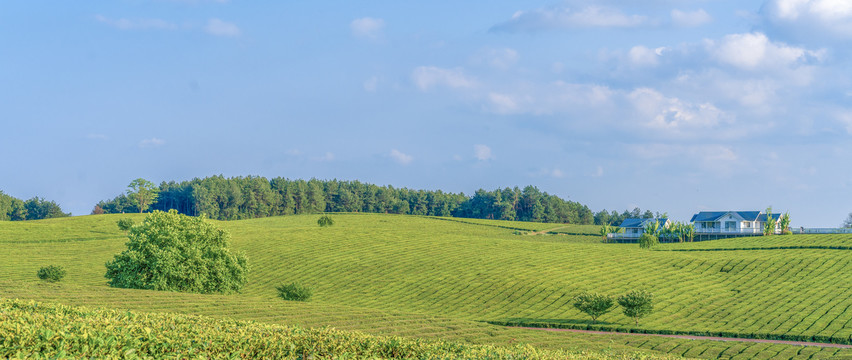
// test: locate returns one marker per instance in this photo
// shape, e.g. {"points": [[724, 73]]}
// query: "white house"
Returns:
{"points": [[633, 228], [731, 222]]}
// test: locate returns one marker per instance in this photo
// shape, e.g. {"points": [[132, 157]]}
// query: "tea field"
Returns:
{"points": [[421, 277]]}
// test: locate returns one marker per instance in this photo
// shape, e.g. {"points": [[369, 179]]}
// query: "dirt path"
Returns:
{"points": [[545, 231], [691, 337]]}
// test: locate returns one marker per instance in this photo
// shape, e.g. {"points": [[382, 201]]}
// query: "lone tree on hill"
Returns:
{"points": [[174, 252], [594, 304], [143, 192], [636, 304]]}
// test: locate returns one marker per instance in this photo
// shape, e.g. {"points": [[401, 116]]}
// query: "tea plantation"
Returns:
{"points": [[440, 279]]}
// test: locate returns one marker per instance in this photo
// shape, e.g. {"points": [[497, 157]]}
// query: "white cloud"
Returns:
{"points": [[221, 28], [752, 51], [401, 157], [328, 156], [426, 77], [548, 98], [566, 17], [482, 152], [672, 114], [367, 27], [810, 20], [599, 171], [642, 56], [136, 24], [690, 18], [152, 142], [371, 84]]}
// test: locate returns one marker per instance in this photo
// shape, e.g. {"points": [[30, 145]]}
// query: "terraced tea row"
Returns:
{"points": [[44, 330], [391, 323]]}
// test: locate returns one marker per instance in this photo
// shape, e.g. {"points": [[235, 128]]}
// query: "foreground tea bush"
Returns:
{"points": [[36, 330], [175, 252], [51, 273]]}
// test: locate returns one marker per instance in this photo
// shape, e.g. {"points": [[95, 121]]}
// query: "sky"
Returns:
{"points": [[671, 105]]}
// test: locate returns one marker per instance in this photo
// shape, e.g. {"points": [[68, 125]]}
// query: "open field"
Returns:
{"points": [[422, 277]]}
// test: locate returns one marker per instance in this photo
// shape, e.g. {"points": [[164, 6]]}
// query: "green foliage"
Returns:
{"points": [[770, 224], [636, 304], [614, 218], [784, 222], [35, 330], [594, 304], [143, 193], [175, 252], [652, 228], [51, 273], [325, 220], [647, 241], [679, 231], [294, 292], [125, 224], [36, 208], [254, 197]]}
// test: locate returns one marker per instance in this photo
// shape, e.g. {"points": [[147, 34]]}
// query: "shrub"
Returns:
{"points": [[51, 273], [647, 241], [324, 221], [594, 304], [636, 304], [174, 252], [295, 292], [125, 224]]}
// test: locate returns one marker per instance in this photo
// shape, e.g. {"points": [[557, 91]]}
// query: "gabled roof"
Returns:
{"points": [[762, 217], [635, 223], [715, 215]]}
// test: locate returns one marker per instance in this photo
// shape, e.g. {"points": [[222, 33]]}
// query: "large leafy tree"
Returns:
{"points": [[636, 304], [169, 251], [143, 192], [594, 304]]}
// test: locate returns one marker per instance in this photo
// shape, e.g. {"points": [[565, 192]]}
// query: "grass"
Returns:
{"points": [[423, 277]]}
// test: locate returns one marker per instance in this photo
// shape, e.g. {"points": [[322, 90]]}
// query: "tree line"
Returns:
{"points": [[15, 209], [252, 197], [614, 218]]}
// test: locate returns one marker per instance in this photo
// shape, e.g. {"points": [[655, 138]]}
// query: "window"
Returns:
{"points": [[730, 225]]}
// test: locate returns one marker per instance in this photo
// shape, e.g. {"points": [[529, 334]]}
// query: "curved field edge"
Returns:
{"points": [[633, 330], [32, 329]]}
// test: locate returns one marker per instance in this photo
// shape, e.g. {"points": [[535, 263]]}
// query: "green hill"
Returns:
{"points": [[432, 278]]}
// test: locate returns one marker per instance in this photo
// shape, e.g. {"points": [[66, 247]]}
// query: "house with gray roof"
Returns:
{"points": [[633, 227], [731, 222]]}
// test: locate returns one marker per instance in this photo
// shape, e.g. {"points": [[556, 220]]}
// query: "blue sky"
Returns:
{"points": [[674, 106]]}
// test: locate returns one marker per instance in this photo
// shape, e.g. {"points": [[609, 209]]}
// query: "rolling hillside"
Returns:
{"points": [[432, 278]]}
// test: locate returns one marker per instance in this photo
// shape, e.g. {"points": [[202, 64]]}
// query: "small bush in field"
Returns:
{"points": [[324, 221], [294, 292], [51, 273]]}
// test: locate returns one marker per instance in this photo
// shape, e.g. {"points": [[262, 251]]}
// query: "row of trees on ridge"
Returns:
{"points": [[252, 197], [15, 209]]}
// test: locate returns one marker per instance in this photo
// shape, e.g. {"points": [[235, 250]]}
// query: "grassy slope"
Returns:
{"points": [[423, 277]]}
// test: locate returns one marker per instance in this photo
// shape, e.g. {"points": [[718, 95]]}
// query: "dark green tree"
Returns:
{"points": [[594, 304], [637, 304], [169, 251]]}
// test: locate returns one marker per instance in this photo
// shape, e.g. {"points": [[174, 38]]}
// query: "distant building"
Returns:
{"points": [[731, 222], [633, 228]]}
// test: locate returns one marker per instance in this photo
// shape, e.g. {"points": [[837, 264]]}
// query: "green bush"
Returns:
{"points": [[125, 224], [294, 292], [594, 304], [636, 304], [647, 241], [324, 221], [51, 273], [175, 252]]}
